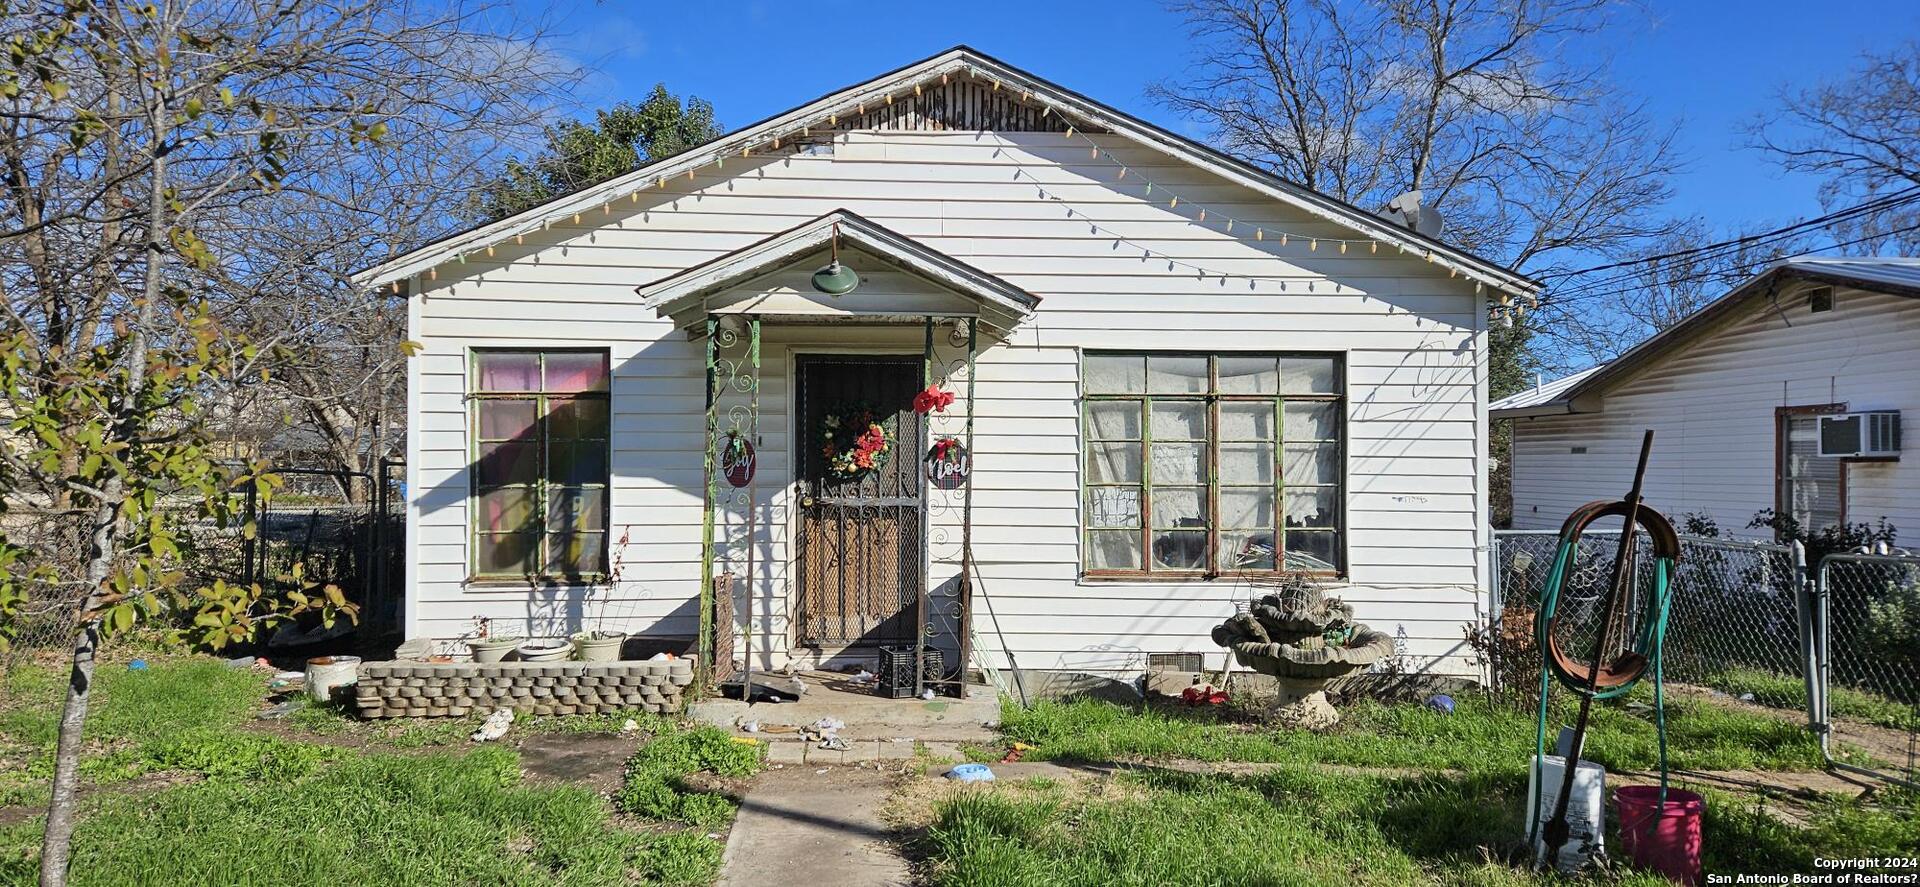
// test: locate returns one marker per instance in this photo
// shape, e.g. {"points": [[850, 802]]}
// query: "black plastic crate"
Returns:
{"points": [[897, 670]]}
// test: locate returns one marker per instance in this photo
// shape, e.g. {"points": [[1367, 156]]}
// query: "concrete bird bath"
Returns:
{"points": [[1303, 639]]}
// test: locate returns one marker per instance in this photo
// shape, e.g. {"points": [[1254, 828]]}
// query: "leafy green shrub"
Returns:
{"points": [[656, 779]]}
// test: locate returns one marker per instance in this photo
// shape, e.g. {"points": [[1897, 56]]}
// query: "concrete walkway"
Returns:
{"points": [[798, 826]]}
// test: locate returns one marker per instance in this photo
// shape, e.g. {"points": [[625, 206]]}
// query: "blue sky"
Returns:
{"points": [[1709, 66]]}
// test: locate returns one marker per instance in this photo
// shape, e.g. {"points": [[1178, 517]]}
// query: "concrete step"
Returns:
{"points": [[867, 717]]}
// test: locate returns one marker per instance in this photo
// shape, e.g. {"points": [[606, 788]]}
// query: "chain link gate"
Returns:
{"points": [[1867, 654]]}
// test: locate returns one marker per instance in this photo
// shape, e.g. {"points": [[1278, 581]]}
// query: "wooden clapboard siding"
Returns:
{"points": [[1711, 405], [1412, 337]]}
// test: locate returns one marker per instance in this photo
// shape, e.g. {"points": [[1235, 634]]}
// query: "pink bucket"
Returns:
{"points": [[1666, 840]]}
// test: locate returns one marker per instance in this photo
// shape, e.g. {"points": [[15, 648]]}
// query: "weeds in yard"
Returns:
{"points": [[268, 810], [1790, 692], [1300, 824], [373, 819], [657, 783], [1478, 736]]}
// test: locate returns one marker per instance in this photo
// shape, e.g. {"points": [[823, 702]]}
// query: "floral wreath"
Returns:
{"points": [[855, 442]]}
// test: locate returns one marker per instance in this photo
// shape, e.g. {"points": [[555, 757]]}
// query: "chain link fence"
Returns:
{"points": [[1748, 619], [343, 528]]}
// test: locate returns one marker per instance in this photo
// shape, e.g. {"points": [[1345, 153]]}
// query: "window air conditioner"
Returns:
{"points": [[1873, 434]]}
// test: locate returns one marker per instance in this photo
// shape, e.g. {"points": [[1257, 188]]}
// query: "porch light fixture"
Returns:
{"points": [[835, 279]]}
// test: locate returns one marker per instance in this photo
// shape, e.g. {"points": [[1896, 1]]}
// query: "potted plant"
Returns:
{"points": [[487, 646], [599, 646], [545, 651]]}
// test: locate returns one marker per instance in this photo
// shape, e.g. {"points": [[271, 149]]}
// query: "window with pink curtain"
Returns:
{"points": [[540, 470]]}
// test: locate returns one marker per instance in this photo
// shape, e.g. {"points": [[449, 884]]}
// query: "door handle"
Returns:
{"points": [[806, 501]]}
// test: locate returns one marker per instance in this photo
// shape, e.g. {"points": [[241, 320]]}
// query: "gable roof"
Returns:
{"points": [[1002, 304], [1898, 276], [965, 61]]}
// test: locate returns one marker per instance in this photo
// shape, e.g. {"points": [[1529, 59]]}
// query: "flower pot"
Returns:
{"points": [[493, 649], [599, 646], [539, 652]]}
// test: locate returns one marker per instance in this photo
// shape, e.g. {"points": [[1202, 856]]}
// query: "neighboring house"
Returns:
{"points": [[1735, 394], [1176, 354]]}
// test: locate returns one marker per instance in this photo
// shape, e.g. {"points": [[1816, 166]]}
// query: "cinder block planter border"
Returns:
{"points": [[455, 689]]}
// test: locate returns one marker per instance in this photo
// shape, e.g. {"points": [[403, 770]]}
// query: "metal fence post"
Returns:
{"points": [[1804, 604], [1496, 609]]}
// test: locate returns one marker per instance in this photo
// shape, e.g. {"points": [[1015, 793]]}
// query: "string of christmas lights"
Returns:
{"points": [[1198, 214]]}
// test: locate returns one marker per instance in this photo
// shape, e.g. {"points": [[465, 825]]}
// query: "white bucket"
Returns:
{"points": [[1586, 822], [325, 674]]}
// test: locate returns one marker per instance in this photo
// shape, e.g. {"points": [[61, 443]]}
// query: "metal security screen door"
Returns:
{"points": [[861, 543]]}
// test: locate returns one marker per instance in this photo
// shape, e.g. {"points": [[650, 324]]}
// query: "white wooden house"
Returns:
{"points": [[1165, 362], [1739, 395]]}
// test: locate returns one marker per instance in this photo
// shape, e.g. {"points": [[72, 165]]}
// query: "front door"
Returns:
{"points": [[860, 539]]}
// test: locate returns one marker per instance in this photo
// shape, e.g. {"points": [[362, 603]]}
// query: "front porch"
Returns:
{"points": [[839, 416]]}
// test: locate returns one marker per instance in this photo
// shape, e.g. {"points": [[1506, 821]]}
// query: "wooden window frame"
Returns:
{"points": [[1781, 505], [542, 487], [1213, 398]]}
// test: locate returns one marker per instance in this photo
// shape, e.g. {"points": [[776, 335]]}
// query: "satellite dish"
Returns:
{"points": [[1406, 210]]}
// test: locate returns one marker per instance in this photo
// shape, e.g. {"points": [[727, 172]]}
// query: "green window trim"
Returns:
{"points": [[1244, 500], [539, 464]]}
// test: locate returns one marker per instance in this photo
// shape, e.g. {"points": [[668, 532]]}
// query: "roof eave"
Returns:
{"points": [[962, 58]]}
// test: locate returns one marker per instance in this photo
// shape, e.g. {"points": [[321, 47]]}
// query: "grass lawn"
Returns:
{"points": [[1790, 692], [183, 792], [1479, 736], [1443, 805]]}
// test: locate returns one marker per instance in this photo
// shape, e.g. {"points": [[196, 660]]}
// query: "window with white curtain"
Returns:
{"points": [[1203, 464]]}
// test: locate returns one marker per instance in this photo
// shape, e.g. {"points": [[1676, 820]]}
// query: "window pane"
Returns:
{"points": [[1113, 507], [508, 463], [1180, 549], [1177, 375], [1248, 375], [1311, 507], [509, 553], [1113, 463], [1115, 373], [1246, 463], [1246, 421], [1113, 550], [1311, 464], [1309, 375], [1179, 420], [509, 370], [1317, 550], [576, 554], [1113, 420], [1813, 481], [1179, 463], [1310, 420], [1246, 551], [1179, 506], [577, 462], [506, 419], [1246, 507], [506, 510], [570, 417], [577, 508], [576, 371]]}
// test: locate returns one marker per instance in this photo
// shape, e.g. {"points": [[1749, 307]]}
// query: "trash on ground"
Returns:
{"points": [[971, 773], [1013, 754], [831, 743], [1441, 703], [630, 726], [494, 727], [749, 726], [1203, 694], [276, 712], [927, 695], [137, 665]]}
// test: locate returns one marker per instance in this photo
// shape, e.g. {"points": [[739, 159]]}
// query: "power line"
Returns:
{"points": [[1727, 248], [1879, 203]]}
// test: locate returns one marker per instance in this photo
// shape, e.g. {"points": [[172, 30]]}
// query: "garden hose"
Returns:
{"points": [[1615, 677]]}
